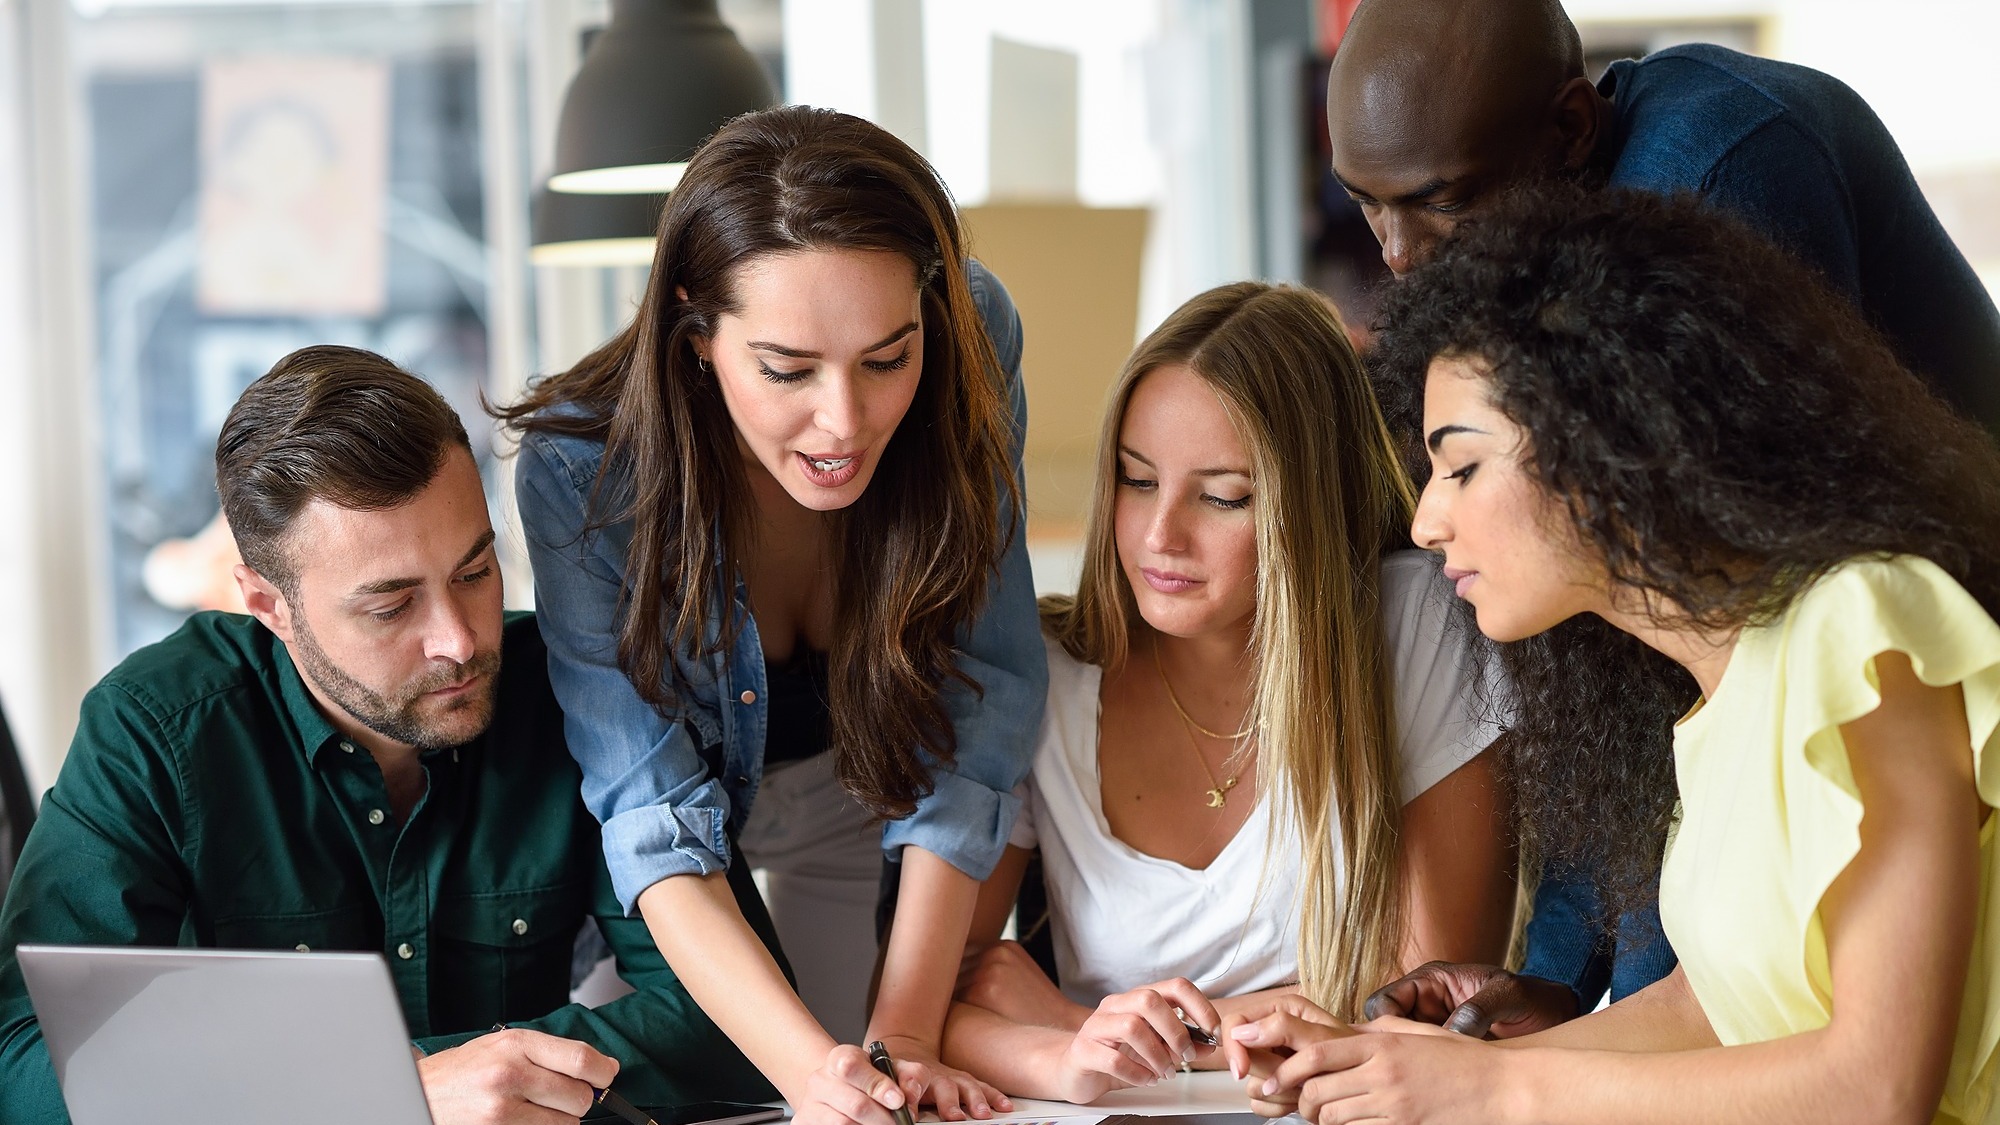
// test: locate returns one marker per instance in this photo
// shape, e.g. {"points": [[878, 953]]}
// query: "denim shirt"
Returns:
{"points": [[1801, 158], [665, 811]]}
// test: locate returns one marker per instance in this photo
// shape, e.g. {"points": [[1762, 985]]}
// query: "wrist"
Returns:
{"points": [[1515, 1094]]}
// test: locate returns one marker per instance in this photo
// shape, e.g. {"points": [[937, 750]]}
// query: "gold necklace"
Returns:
{"points": [[1218, 793], [1176, 701]]}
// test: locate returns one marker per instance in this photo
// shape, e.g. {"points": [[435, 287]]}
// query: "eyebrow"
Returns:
{"points": [[1422, 192], [391, 585], [1215, 472], [1442, 432], [800, 353]]}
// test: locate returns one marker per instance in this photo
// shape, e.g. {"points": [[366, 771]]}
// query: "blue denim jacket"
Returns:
{"points": [[665, 811]]}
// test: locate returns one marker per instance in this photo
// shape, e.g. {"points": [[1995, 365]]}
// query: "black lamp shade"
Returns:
{"points": [[653, 85], [595, 230]]}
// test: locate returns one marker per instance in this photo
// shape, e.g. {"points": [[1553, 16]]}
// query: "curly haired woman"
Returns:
{"points": [[1638, 411]]}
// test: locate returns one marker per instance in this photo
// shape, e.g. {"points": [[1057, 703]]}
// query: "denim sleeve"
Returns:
{"points": [[970, 813], [643, 775], [1566, 943], [1786, 186]]}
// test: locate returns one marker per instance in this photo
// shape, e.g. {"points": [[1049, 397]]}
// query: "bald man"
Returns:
{"points": [[1437, 107]]}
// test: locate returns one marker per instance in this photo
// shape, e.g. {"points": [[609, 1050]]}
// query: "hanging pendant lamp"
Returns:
{"points": [[660, 78]]}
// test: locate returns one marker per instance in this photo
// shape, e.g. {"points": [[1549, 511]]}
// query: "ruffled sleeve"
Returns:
{"points": [[1830, 639]]}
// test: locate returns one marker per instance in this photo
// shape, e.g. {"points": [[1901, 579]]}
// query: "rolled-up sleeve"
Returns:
{"points": [[643, 774], [971, 810]]}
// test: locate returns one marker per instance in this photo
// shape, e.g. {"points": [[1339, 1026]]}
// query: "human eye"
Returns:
{"points": [[1463, 475], [1226, 505], [387, 615], [782, 378], [1128, 481], [477, 576], [887, 365]]}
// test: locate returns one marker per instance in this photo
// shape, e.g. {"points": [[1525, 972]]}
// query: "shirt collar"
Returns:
{"points": [[317, 734]]}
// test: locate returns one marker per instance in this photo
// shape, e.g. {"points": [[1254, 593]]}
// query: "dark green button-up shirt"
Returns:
{"points": [[207, 801]]}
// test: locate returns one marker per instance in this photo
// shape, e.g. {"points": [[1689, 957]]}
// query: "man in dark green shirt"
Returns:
{"points": [[373, 760]]}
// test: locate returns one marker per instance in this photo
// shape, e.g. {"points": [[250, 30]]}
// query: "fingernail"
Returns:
{"points": [[1235, 1071], [1187, 1054], [1270, 1086], [1247, 1033]]}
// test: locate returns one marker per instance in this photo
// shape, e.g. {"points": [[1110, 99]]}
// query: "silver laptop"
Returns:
{"points": [[209, 1037]]}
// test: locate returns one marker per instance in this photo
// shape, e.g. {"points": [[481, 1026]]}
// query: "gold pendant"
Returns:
{"points": [[1220, 793]]}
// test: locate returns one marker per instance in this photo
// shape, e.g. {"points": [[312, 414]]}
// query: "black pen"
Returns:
{"points": [[879, 1056], [616, 1103]]}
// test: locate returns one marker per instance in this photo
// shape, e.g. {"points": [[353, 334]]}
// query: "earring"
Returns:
{"points": [[702, 362]]}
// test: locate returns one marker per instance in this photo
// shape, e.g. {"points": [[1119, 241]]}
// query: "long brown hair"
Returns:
{"points": [[916, 551], [1331, 498]]}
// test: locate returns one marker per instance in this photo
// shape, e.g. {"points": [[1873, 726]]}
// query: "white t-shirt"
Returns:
{"points": [[1122, 919]]}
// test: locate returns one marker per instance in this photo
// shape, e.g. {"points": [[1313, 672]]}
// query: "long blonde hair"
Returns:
{"points": [[1332, 496]]}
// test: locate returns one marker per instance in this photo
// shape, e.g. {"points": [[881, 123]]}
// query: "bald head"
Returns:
{"points": [[1435, 104]]}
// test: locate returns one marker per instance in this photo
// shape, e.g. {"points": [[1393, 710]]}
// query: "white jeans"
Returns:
{"points": [[818, 859]]}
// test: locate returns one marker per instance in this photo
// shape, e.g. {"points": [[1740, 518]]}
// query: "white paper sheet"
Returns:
{"points": [[1202, 1092]]}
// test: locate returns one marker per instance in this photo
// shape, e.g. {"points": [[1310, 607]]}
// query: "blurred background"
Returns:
{"points": [[189, 189]]}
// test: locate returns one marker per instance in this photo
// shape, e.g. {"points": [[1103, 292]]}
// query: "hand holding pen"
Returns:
{"points": [[509, 1074], [1138, 1038]]}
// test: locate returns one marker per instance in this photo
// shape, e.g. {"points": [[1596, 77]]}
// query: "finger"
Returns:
{"points": [[1397, 998], [850, 1065], [1281, 1030], [1334, 1097], [972, 1096], [1194, 1005], [848, 1100], [995, 1096], [1234, 1052], [1499, 1001], [560, 1094], [568, 1057], [945, 1095], [1326, 1057], [1108, 1060], [1141, 1034]]}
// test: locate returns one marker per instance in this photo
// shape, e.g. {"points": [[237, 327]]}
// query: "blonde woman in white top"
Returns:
{"points": [[1251, 662]]}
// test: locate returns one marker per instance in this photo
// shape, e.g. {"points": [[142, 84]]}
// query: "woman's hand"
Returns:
{"points": [[1005, 980], [1136, 1038], [924, 1080], [1392, 1070], [1258, 1038]]}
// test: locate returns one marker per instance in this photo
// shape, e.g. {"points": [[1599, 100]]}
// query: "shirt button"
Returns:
{"points": [[375, 816], [347, 746], [406, 951], [520, 925], [302, 947], [748, 698]]}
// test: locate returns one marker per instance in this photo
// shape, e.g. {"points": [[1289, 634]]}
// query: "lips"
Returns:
{"points": [[1168, 582], [831, 470], [1461, 580]]}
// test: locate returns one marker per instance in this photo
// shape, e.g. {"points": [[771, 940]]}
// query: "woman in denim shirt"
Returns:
{"points": [[779, 515]]}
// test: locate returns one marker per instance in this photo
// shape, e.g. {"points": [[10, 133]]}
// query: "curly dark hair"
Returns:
{"points": [[1722, 427]]}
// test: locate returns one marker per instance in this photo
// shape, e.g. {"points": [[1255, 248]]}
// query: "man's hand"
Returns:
{"points": [[1004, 979], [1136, 1038], [1475, 1000], [514, 1077]]}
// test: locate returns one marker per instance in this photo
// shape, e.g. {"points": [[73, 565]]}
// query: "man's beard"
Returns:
{"points": [[398, 718]]}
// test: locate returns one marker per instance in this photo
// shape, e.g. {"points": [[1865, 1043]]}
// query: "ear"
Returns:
{"points": [[1577, 117], [265, 601]]}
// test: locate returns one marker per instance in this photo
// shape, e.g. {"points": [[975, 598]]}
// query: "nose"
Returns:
{"points": [[1430, 528], [1165, 532], [450, 635], [838, 412], [1400, 243]]}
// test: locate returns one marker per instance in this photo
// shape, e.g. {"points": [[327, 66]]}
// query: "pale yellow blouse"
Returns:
{"points": [[1770, 814]]}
